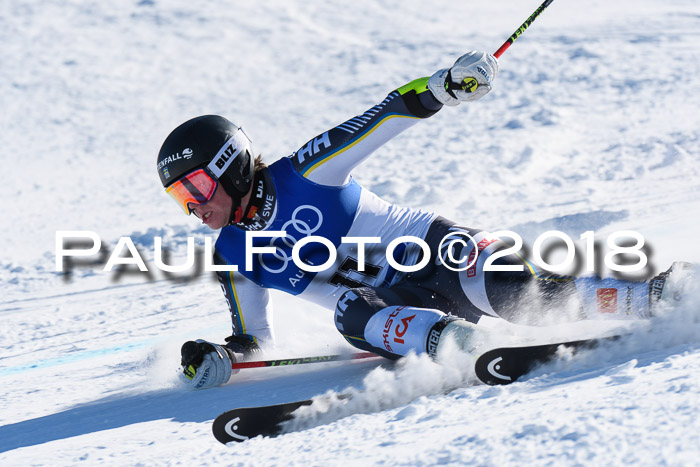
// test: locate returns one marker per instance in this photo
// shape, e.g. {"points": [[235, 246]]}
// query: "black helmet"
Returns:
{"points": [[212, 143]]}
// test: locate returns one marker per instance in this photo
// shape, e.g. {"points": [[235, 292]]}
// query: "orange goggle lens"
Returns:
{"points": [[196, 187]]}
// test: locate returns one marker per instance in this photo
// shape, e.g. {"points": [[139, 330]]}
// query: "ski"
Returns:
{"points": [[505, 365], [502, 365], [248, 422]]}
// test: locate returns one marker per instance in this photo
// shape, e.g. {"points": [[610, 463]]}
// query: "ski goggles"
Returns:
{"points": [[196, 187]]}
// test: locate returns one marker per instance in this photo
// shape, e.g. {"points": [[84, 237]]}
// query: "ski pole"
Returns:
{"points": [[302, 360], [522, 28]]}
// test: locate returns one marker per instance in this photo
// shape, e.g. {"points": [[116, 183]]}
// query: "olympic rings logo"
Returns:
{"points": [[302, 229]]}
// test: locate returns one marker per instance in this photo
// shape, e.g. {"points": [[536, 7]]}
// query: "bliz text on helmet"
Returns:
{"points": [[228, 153], [225, 156]]}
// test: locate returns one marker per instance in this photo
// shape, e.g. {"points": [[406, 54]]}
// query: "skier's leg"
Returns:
{"points": [[532, 297], [391, 322], [528, 296], [387, 322], [470, 292], [535, 298]]}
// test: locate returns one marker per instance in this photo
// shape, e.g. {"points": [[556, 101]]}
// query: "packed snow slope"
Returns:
{"points": [[591, 126]]}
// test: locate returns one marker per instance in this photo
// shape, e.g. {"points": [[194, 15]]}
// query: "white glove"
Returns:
{"points": [[214, 369], [468, 80]]}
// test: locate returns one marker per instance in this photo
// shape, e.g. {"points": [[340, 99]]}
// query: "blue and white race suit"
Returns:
{"points": [[312, 193]]}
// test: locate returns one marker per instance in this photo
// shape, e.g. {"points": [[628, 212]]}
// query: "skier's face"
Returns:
{"points": [[214, 213]]}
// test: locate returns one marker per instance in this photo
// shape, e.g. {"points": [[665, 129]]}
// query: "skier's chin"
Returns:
{"points": [[215, 221], [217, 226]]}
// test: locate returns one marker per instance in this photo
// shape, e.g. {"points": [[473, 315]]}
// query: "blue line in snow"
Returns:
{"points": [[87, 354], [75, 357]]}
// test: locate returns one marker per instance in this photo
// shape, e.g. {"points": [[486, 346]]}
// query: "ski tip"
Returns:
{"points": [[505, 365], [239, 425], [226, 431]]}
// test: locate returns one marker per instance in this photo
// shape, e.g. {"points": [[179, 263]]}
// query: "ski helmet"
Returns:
{"points": [[213, 145]]}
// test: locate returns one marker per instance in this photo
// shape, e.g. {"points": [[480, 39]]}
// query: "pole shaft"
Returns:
{"points": [[302, 360], [522, 28]]}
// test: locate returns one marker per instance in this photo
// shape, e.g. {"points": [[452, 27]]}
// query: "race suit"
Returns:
{"points": [[312, 193]]}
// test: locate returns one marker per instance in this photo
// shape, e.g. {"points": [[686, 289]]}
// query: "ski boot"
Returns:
{"points": [[467, 337], [669, 287]]}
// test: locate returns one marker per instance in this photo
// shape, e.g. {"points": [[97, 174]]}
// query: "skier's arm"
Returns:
{"points": [[329, 158], [250, 307], [206, 364]]}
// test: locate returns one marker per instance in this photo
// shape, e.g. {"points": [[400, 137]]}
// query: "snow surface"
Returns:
{"points": [[589, 127]]}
